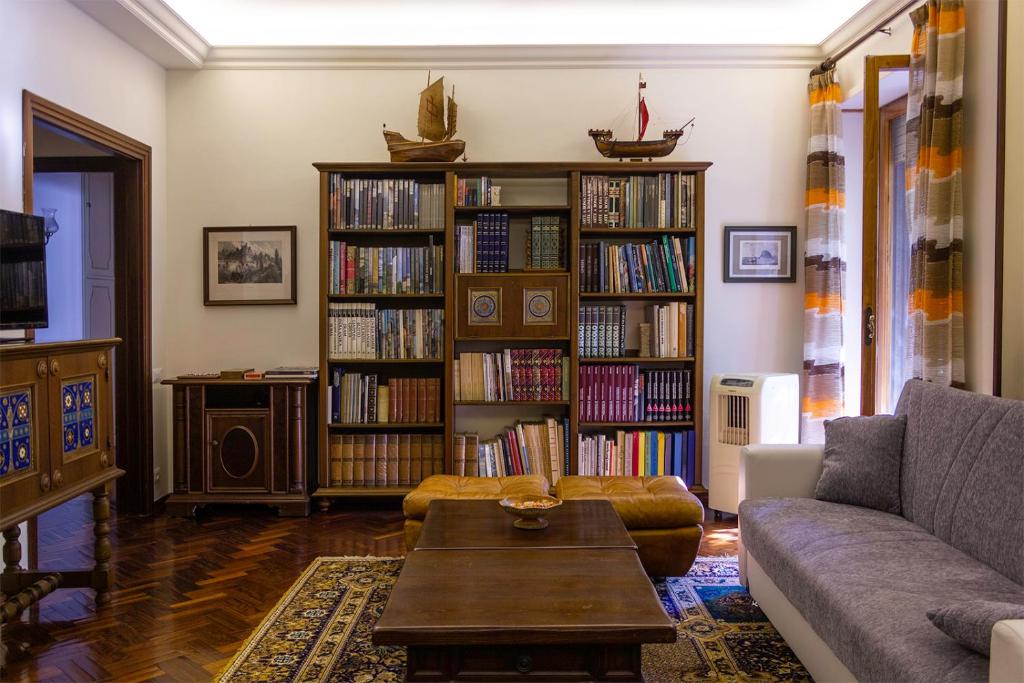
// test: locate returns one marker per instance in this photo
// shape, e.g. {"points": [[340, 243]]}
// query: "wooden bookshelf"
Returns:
{"points": [[459, 416]]}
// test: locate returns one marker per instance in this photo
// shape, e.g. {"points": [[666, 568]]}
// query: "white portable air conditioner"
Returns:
{"points": [[747, 408]]}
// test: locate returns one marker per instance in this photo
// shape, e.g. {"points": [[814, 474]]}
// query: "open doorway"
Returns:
{"points": [[99, 181]]}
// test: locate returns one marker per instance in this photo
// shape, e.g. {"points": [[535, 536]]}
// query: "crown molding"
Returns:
{"points": [[859, 24], [514, 57], [151, 27]]}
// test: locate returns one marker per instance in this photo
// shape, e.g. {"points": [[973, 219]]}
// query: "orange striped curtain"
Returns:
{"points": [[934, 177], [824, 262]]}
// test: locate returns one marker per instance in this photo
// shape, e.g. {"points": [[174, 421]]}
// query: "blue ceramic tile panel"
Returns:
{"points": [[15, 431], [76, 405]]}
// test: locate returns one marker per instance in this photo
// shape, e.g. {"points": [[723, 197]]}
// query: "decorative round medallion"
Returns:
{"points": [[41, 368], [104, 459], [54, 367], [539, 305], [484, 306], [101, 360]]}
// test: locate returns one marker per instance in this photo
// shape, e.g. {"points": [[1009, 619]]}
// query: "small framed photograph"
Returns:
{"points": [[760, 254], [249, 266]]}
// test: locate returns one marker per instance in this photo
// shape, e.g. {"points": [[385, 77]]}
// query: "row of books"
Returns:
{"points": [[476, 192], [359, 399], [384, 204], [512, 375], [384, 459], [23, 284], [668, 265], [664, 200], [385, 270], [638, 454], [360, 330], [527, 448], [671, 329], [544, 240], [21, 230], [626, 393], [602, 331], [483, 244]]}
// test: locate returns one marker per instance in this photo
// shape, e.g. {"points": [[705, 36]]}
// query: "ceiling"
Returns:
{"points": [[514, 22], [191, 34]]}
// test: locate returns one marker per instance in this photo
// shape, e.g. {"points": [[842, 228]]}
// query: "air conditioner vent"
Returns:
{"points": [[733, 419]]}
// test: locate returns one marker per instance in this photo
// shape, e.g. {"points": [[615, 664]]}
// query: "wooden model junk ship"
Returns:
{"points": [[639, 148], [436, 143]]}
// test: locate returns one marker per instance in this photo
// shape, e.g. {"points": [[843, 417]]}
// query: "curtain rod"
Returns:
{"points": [[880, 27]]}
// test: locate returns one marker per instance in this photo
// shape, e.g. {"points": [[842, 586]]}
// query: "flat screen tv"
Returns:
{"points": [[22, 271]]}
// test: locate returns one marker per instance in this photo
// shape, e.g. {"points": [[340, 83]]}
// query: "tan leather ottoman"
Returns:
{"points": [[662, 517], [451, 487]]}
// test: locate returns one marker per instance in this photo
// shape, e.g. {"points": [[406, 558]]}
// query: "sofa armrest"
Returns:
{"points": [[1006, 662], [779, 471]]}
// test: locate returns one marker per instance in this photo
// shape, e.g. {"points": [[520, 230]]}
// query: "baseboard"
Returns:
{"points": [[808, 646]]}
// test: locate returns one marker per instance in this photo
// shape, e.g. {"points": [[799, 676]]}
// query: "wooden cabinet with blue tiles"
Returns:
{"points": [[56, 443]]}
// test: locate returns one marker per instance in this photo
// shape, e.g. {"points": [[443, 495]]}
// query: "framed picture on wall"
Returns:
{"points": [[249, 266], [760, 254]]}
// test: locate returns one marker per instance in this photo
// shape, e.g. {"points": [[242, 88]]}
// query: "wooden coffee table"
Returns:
{"points": [[479, 600]]}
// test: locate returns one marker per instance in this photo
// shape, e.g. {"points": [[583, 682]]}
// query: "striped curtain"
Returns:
{"points": [[824, 263], [934, 177]]}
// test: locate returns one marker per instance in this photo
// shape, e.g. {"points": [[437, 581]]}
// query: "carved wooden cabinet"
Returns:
{"points": [[56, 443], [246, 441]]}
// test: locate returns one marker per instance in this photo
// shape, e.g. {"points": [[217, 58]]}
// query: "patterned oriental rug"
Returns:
{"points": [[320, 630]]}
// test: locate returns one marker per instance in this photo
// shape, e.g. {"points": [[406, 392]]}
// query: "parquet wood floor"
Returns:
{"points": [[188, 593]]}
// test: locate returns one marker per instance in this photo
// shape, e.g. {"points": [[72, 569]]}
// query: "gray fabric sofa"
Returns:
{"points": [[849, 587]]}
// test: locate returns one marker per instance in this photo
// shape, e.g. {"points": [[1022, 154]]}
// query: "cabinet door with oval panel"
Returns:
{"points": [[239, 457]]}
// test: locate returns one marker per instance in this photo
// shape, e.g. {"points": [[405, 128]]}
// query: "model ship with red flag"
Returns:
{"points": [[639, 148]]}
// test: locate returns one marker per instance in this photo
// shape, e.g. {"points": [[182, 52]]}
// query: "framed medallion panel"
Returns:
{"points": [[512, 305]]}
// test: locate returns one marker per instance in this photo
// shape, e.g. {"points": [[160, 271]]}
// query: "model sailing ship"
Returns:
{"points": [[436, 131], [639, 148]]}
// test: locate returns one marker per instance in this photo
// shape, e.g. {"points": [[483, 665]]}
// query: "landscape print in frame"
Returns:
{"points": [[249, 265]]}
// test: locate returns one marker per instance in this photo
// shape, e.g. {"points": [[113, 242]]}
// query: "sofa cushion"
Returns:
{"points": [[862, 462], [970, 623], [962, 475], [865, 581], [448, 486], [642, 502]]}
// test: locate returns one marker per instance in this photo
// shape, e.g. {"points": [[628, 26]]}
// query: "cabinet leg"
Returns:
{"points": [[324, 504], [12, 549], [102, 574]]}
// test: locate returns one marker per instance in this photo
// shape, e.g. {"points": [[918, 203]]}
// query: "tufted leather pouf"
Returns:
{"points": [[662, 517], [451, 487]]}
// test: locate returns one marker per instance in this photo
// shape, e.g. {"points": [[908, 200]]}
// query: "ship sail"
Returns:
{"points": [[453, 115], [430, 123]]}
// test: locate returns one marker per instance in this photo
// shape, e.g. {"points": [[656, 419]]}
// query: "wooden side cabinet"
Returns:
{"points": [[56, 443], [244, 442]]}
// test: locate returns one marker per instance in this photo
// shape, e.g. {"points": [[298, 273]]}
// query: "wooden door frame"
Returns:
{"points": [[873, 66], [132, 166]]}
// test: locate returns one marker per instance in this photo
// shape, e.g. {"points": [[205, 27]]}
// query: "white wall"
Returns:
{"points": [[979, 165], [54, 50], [241, 145], [62, 191]]}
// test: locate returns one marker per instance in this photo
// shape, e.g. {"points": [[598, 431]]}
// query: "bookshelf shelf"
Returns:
{"points": [[626, 233], [637, 425], [339, 234], [540, 187], [511, 403], [650, 360], [383, 426], [327, 492], [514, 209], [607, 296], [384, 361], [382, 297]]}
